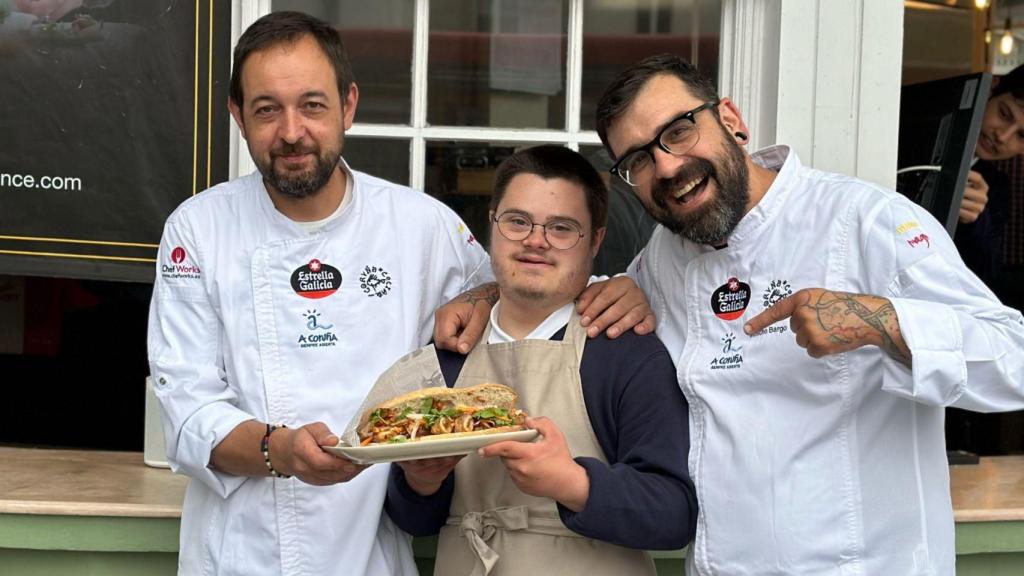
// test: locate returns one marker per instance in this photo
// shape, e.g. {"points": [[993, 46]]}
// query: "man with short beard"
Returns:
{"points": [[279, 298], [829, 460]]}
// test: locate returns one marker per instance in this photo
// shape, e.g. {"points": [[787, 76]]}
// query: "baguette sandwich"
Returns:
{"points": [[434, 413]]}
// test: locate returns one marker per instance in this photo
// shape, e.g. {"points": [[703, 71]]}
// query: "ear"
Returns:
{"points": [[730, 117], [595, 242], [236, 113], [349, 105]]}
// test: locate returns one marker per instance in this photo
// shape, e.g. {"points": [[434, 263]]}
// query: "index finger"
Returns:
{"points": [[506, 449], [780, 311]]}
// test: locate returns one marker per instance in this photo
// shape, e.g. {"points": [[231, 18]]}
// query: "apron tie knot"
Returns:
{"points": [[478, 529]]}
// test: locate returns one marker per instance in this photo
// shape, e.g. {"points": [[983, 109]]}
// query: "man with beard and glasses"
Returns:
{"points": [[279, 298], [608, 478], [819, 324]]}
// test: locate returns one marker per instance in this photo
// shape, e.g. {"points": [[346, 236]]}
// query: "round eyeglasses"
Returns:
{"points": [[560, 233], [677, 138]]}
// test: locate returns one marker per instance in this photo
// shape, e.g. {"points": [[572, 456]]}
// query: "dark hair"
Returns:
{"points": [[1012, 82], [623, 90], [551, 161], [288, 27]]}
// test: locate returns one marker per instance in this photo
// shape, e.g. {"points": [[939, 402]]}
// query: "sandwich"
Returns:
{"points": [[436, 413]]}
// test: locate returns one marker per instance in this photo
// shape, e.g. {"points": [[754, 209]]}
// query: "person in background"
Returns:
{"points": [[820, 325], [986, 206], [279, 298], [608, 477]]}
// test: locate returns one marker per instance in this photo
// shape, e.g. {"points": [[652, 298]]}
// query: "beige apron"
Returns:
{"points": [[494, 528]]}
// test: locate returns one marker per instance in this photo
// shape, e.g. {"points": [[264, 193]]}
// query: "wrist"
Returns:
{"points": [[273, 445], [576, 489]]}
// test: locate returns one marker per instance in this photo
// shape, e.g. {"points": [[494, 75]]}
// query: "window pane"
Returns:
{"points": [[629, 226], [461, 174], [620, 33], [378, 38], [497, 64], [385, 158]]}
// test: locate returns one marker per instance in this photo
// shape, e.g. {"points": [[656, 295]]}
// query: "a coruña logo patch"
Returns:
{"points": [[316, 280], [730, 299]]}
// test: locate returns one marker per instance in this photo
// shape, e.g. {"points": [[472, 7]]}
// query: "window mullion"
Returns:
{"points": [[421, 44], [574, 73]]}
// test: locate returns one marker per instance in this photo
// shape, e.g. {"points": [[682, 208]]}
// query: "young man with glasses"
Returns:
{"points": [[820, 324], [608, 477]]}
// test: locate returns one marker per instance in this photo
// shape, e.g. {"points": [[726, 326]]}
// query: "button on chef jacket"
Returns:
{"points": [[830, 466], [254, 318]]}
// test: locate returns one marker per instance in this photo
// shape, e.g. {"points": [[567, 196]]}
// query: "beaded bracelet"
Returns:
{"points": [[265, 448]]}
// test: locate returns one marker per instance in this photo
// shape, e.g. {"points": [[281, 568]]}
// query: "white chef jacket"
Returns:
{"points": [[837, 465], [253, 317]]}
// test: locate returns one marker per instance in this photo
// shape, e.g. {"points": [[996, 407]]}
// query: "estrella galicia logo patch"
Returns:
{"points": [[179, 268], [316, 280], [730, 357], [776, 291], [375, 281], [730, 299], [318, 334]]}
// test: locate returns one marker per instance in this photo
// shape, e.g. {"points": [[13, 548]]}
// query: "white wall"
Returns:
{"points": [[822, 76]]}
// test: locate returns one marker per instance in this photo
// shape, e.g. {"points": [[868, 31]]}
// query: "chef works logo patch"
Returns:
{"points": [[316, 280], [730, 299], [179, 268], [776, 291], [375, 281], [730, 357], [318, 334]]}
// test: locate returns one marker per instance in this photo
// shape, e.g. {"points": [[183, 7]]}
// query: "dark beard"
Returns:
{"points": [[712, 223], [304, 184]]}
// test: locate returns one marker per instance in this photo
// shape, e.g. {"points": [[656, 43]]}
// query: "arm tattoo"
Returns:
{"points": [[488, 292], [848, 318]]}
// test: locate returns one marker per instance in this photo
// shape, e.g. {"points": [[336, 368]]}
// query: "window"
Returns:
{"points": [[449, 88]]}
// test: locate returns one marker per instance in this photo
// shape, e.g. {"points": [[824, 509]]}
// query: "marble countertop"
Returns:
{"points": [[992, 490], [87, 483], [96, 483]]}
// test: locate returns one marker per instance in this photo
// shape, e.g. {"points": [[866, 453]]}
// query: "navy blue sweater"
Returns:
{"points": [[643, 498]]}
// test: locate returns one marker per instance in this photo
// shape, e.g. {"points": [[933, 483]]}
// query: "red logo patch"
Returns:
{"points": [[730, 299], [178, 255], [918, 240]]}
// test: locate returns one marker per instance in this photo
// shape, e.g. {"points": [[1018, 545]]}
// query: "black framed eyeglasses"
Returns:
{"points": [[560, 233], [677, 137]]}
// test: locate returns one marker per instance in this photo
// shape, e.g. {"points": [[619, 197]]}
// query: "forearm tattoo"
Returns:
{"points": [[849, 318], [488, 292]]}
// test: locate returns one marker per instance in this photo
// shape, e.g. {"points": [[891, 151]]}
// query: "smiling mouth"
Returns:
{"points": [[692, 189]]}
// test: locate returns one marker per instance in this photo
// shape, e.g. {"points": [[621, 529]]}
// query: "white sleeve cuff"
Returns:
{"points": [[938, 373], [200, 434]]}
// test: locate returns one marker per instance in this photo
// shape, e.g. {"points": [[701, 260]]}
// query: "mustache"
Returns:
{"points": [[665, 187], [286, 149]]}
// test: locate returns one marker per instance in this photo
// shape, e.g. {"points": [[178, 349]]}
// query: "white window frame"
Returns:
{"points": [[419, 133], [822, 76]]}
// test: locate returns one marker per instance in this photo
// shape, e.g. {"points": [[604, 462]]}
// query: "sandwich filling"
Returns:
{"points": [[433, 417]]}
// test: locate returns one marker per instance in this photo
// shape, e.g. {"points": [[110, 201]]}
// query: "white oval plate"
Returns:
{"points": [[378, 453]]}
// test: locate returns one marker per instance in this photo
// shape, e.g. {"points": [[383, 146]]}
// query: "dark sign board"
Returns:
{"points": [[112, 112]]}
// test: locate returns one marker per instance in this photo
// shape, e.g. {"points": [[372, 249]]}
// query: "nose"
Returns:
{"points": [[291, 128], [536, 238], [665, 165]]}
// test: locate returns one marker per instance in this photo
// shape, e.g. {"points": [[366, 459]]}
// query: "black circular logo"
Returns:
{"points": [[730, 299], [316, 280]]}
